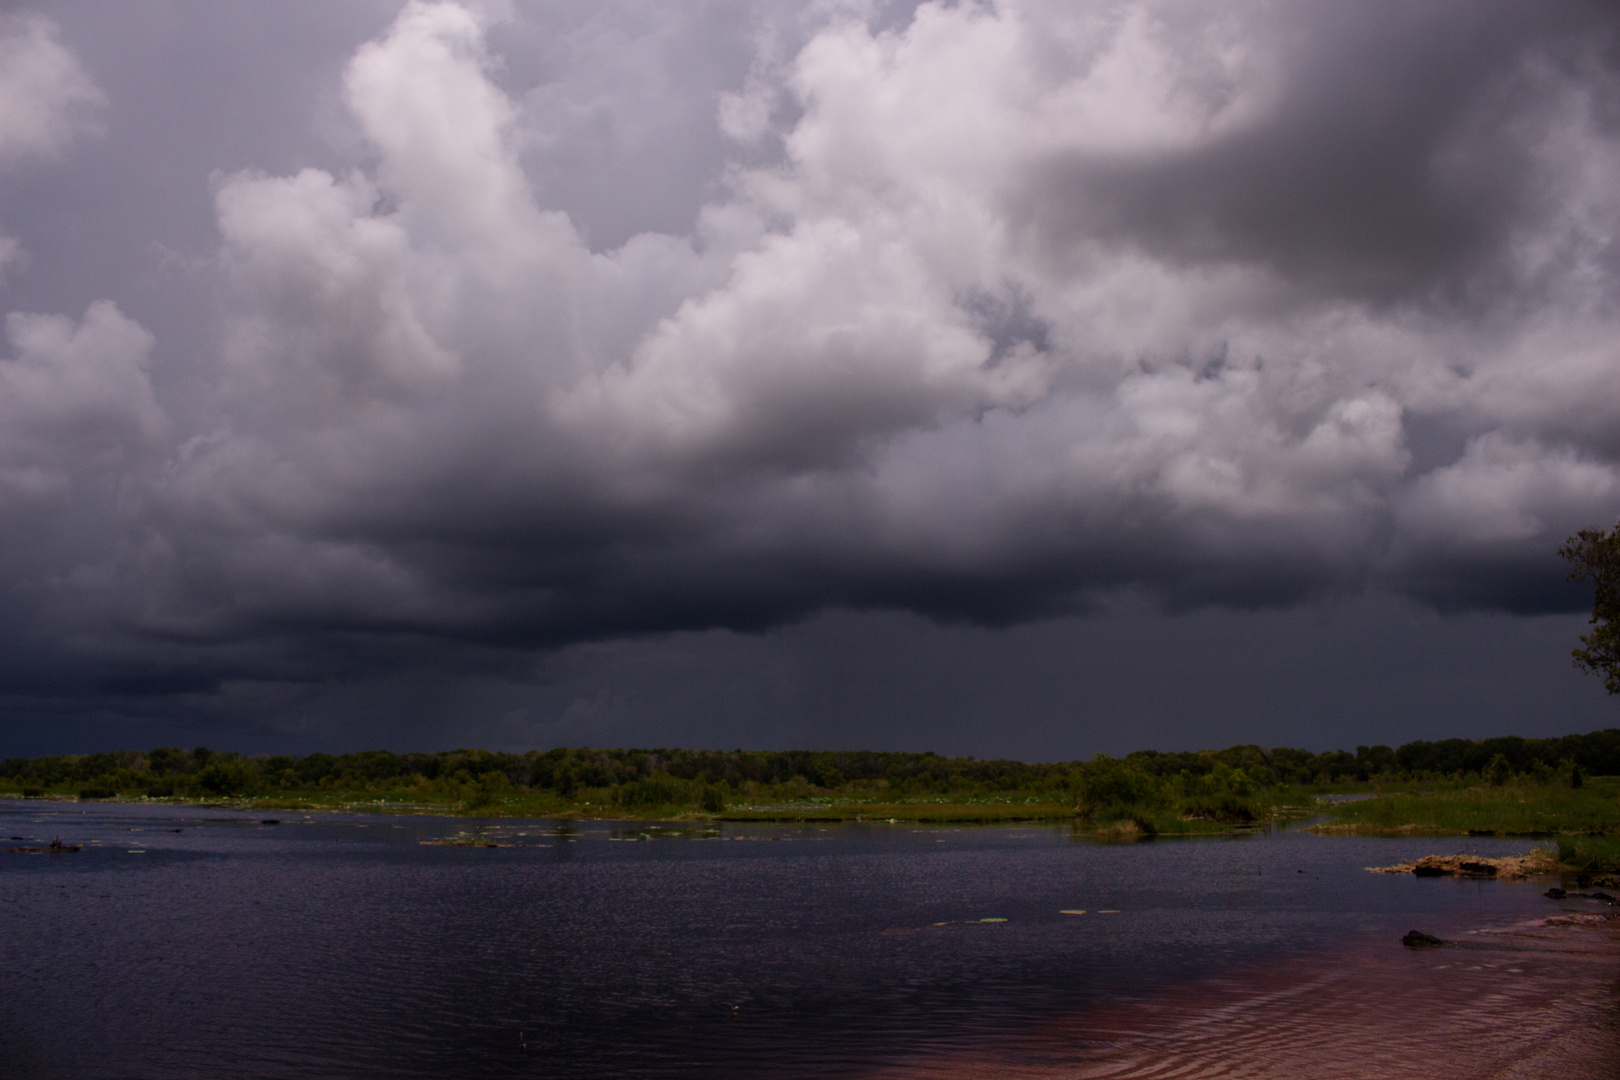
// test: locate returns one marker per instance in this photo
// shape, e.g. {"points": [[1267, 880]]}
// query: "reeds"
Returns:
{"points": [[1524, 809], [1590, 854]]}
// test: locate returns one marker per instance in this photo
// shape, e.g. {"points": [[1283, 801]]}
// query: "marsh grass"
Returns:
{"points": [[1508, 810], [931, 810], [1114, 803], [647, 803], [1590, 854]]}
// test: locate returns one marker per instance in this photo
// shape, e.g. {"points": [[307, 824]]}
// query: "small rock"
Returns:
{"points": [[1601, 895], [1555, 893], [1416, 939]]}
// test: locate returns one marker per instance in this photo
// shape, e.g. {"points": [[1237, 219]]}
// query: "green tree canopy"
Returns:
{"points": [[1594, 555]]}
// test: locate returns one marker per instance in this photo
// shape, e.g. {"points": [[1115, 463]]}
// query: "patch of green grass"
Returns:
{"points": [[976, 812], [1590, 854], [1167, 814], [1510, 810]]}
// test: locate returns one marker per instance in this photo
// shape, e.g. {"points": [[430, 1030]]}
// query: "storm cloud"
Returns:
{"points": [[545, 325]]}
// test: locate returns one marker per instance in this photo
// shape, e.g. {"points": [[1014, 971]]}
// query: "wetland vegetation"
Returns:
{"points": [[1506, 786]]}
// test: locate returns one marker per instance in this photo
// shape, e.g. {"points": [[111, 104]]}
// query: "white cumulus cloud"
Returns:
{"points": [[995, 309]]}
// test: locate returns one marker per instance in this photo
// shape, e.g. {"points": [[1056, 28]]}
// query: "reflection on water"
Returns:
{"points": [[352, 946]]}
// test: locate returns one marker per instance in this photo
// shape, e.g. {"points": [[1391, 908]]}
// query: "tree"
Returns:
{"points": [[227, 776], [1594, 555], [1498, 772]]}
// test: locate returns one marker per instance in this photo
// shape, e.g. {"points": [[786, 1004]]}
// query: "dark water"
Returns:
{"points": [[188, 942]]}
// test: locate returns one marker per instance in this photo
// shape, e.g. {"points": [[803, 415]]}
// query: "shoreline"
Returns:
{"points": [[931, 812], [1538, 863], [1527, 1000]]}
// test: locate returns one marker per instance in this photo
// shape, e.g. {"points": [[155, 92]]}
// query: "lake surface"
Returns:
{"points": [[191, 942]]}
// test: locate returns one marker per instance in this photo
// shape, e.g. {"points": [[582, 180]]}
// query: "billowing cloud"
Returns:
{"points": [[75, 402], [992, 311], [45, 95], [46, 99]]}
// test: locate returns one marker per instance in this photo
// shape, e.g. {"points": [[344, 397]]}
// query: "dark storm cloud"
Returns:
{"points": [[1399, 159], [515, 329]]}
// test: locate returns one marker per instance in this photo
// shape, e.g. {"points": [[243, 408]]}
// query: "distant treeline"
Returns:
{"points": [[649, 776]]}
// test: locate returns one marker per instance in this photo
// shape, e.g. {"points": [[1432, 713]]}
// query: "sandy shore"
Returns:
{"points": [[1536, 999]]}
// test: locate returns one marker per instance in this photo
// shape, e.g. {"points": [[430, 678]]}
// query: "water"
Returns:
{"points": [[186, 942]]}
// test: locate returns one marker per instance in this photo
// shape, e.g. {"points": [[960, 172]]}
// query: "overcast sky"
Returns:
{"points": [[1016, 379]]}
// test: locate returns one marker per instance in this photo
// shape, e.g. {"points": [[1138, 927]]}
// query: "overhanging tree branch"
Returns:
{"points": [[1594, 555]]}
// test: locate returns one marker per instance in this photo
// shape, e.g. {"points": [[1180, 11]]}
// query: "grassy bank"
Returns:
{"points": [[607, 804], [1145, 795], [1510, 809], [1119, 822], [1507, 786], [1590, 854], [1111, 801]]}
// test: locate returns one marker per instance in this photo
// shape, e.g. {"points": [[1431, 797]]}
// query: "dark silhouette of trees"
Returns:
{"points": [[1594, 555], [643, 777]]}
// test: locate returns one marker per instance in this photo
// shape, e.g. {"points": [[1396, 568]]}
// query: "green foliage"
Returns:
{"points": [[1594, 555], [899, 775], [1523, 809], [1117, 797], [1146, 791], [1590, 854], [1111, 789], [227, 776], [653, 791], [1498, 771]]}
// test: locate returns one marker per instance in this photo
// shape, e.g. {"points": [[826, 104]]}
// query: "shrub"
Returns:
{"points": [[1111, 789], [652, 791], [1590, 854], [1227, 808], [226, 777]]}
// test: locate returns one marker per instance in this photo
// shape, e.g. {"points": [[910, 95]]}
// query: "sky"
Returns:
{"points": [[1027, 379]]}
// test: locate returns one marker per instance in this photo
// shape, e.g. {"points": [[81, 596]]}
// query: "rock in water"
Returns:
{"points": [[1416, 939], [1555, 893], [1503, 868]]}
